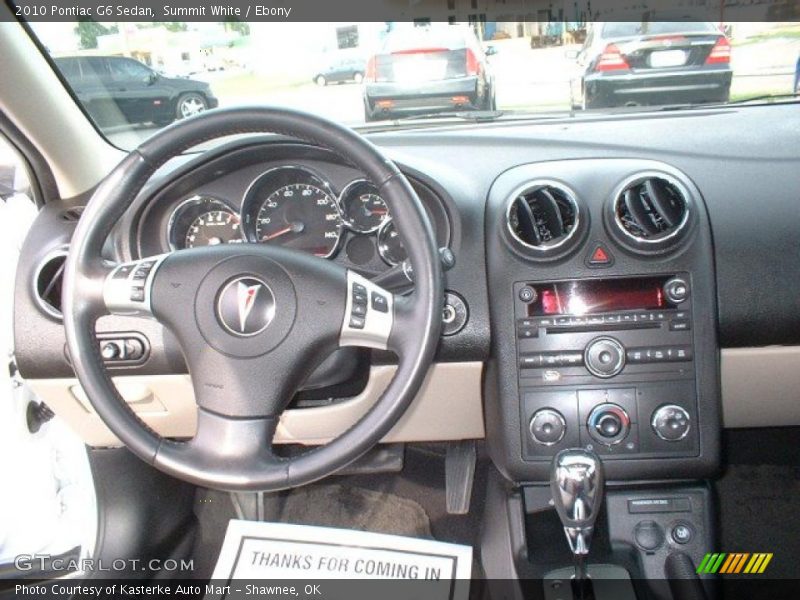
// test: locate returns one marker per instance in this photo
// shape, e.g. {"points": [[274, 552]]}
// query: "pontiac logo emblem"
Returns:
{"points": [[245, 306]]}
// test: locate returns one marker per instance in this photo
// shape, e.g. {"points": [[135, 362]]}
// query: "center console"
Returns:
{"points": [[603, 311], [607, 364]]}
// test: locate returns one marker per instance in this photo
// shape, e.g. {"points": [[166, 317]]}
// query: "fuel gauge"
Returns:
{"points": [[363, 210]]}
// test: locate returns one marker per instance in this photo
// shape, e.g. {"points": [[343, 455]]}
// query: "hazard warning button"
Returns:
{"points": [[599, 256]]}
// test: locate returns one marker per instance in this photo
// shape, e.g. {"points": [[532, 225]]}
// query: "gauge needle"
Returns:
{"points": [[295, 226]]}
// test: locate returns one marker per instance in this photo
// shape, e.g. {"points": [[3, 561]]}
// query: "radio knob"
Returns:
{"points": [[608, 424], [670, 422], [604, 357], [548, 427], [676, 290]]}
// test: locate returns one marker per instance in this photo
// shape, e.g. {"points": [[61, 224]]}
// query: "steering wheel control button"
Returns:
{"points": [[676, 290], [126, 290], [379, 302], [599, 256], [368, 314], [245, 306], [608, 424], [649, 536], [110, 350], [604, 357], [547, 427], [682, 533], [671, 423], [454, 315]]}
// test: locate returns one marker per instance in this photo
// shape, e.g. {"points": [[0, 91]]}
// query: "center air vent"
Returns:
{"points": [[48, 282], [651, 210], [543, 217]]}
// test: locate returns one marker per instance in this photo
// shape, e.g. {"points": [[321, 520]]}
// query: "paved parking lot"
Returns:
{"points": [[526, 79]]}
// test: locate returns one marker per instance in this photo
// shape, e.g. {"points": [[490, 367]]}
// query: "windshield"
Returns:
{"points": [[134, 78]]}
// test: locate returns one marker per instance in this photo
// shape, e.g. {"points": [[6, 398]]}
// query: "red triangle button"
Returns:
{"points": [[600, 256]]}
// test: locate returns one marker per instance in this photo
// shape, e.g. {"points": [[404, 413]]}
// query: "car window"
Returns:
{"points": [[630, 29], [69, 67], [129, 69], [94, 67]]}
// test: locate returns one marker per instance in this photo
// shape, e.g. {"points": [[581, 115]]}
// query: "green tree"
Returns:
{"points": [[175, 26], [238, 27], [88, 31]]}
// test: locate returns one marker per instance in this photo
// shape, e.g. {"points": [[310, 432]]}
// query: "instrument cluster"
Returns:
{"points": [[294, 206]]}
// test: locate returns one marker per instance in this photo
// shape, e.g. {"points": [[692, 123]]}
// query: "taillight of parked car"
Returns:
{"points": [[720, 53], [611, 60], [473, 65]]}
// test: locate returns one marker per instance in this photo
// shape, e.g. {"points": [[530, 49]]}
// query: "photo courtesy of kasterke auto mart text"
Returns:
{"points": [[458, 300]]}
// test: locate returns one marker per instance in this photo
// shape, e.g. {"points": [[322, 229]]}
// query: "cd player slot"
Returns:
{"points": [[605, 327]]}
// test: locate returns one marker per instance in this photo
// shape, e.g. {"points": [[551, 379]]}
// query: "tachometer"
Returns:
{"points": [[363, 209], [293, 207], [203, 221]]}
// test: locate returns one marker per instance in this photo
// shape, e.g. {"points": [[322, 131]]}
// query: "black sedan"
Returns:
{"points": [[117, 89], [643, 62]]}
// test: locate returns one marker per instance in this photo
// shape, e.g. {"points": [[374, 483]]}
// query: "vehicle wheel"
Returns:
{"points": [[358, 77], [190, 104], [320, 80]]}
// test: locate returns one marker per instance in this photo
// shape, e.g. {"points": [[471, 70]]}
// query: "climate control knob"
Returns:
{"points": [[604, 357], [548, 427], [670, 422], [608, 424]]}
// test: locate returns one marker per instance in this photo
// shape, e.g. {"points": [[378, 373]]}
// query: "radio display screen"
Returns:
{"points": [[590, 296]]}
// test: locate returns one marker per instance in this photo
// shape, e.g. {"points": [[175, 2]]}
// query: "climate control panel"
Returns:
{"points": [[647, 420]]}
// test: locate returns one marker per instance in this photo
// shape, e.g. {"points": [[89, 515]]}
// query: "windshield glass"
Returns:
{"points": [[134, 78]]}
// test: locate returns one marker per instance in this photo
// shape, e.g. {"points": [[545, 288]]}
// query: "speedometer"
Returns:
{"points": [[295, 208]]}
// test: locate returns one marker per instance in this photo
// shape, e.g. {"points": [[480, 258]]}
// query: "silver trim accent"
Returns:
{"points": [[675, 407], [327, 188], [607, 407], [196, 198], [558, 416], [638, 178], [618, 366], [60, 251], [343, 208], [533, 185], [117, 291], [382, 250], [377, 324]]}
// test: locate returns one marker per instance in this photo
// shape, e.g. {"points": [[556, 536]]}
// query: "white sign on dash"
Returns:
{"points": [[280, 560]]}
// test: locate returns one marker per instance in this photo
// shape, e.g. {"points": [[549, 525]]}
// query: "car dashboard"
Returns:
{"points": [[619, 281]]}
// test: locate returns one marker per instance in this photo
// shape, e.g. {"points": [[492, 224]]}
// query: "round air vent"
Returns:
{"points": [[543, 218], [651, 211], [48, 282]]}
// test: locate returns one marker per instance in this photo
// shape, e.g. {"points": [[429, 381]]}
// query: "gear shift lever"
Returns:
{"points": [[577, 484]]}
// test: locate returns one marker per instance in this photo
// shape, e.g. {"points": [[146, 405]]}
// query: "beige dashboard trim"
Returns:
{"points": [[448, 407], [761, 386]]}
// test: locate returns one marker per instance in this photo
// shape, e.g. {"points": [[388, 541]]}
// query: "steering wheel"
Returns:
{"points": [[253, 321]]}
